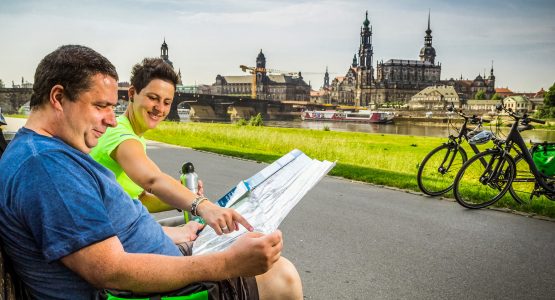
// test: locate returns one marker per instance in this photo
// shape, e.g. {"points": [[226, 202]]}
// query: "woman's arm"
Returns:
{"points": [[145, 173]]}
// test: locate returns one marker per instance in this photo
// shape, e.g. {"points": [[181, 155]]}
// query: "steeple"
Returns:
{"points": [[164, 53], [261, 60], [491, 78], [355, 63], [164, 50], [326, 79], [366, 22], [428, 53], [429, 31], [365, 50], [261, 78], [491, 71]]}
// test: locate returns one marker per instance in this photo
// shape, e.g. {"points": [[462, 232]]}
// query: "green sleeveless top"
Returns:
{"points": [[107, 143]]}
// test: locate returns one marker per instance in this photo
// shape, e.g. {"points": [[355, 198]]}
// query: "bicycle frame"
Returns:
{"points": [[463, 133], [514, 138]]}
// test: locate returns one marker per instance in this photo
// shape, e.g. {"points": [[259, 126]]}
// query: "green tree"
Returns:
{"points": [[496, 96], [548, 109], [480, 95], [1, 83], [549, 96]]}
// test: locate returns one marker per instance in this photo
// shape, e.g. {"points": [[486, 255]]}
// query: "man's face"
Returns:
{"points": [[87, 118]]}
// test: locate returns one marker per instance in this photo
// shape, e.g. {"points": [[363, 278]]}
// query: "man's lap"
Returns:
{"points": [[240, 288]]}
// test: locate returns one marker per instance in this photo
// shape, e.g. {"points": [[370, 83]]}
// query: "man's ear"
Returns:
{"points": [[131, 93], [56, 97]]}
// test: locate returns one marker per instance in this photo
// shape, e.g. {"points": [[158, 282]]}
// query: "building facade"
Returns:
{"points": [[268, 86], [468, 89], [434, 98]]}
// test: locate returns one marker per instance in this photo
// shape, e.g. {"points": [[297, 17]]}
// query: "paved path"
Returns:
{"points": [[358, 241]]}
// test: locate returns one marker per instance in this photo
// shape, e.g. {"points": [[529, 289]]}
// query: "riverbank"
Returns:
{"points": [[383, 159]]}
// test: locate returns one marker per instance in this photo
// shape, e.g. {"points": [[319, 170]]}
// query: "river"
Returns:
{"points": [[536, 135]]}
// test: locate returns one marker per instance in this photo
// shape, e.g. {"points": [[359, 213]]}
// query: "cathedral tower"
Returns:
{"points": [[365, 71], [365, 50], [428, 53]]}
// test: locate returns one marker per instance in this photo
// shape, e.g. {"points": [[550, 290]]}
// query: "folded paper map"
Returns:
{"points": [[266, 198]]}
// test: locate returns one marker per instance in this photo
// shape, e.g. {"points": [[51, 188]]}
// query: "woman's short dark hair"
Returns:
{"points": [[149, 69], [72, 67]]}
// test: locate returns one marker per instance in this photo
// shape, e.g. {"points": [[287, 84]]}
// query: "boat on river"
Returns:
{"points": [[361, 116]]}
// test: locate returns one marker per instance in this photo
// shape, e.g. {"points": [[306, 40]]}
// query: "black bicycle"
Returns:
{"points": [[438, 169], [486, 177]]}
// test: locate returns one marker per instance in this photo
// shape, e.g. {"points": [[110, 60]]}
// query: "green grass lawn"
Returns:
{"points": [[390, 160]]}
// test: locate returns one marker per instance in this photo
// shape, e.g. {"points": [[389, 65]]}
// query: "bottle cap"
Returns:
{"points": [[187, 168]]}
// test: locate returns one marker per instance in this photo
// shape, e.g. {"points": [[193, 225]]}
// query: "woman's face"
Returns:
{"points": [[152, 104]]}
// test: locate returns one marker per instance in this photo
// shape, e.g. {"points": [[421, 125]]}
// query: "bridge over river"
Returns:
{"points": [[206, 107]]}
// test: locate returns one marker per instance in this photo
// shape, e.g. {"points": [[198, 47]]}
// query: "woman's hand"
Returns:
{"points": [[200, 191], [222, 220]]}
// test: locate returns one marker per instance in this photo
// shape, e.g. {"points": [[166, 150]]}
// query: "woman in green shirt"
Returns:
{"points": [[122, 149]]}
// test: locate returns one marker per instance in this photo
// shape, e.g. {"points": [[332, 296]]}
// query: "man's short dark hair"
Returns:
{"points": [[149, 69], [72, 67]]}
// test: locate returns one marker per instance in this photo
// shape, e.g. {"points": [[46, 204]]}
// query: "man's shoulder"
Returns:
{"points": [[29, 151], [26, 145]]}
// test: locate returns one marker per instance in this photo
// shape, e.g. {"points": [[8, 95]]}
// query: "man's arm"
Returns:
{"points": [[143, 171], [106, 265]]}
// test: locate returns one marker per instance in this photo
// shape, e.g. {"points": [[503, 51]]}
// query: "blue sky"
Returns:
{"points": [[208, 37]]}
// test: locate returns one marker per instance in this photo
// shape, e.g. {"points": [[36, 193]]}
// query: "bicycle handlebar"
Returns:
{"points": [[536, 120]]}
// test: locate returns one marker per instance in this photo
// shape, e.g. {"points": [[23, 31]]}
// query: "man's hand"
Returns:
{"points": [[254, 253], [223, 220], [182, 234]]}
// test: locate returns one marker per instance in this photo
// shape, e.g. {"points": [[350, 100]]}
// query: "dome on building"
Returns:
{"points": [[427, 51], [366, 22]]}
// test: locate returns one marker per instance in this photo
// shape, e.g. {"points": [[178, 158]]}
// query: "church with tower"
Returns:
{"points": [[396, 80]]}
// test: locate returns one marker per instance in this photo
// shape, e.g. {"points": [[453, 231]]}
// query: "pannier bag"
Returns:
{"points": [[544, 158]]}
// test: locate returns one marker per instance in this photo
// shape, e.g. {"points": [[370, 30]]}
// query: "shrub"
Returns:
{"points": [[256, 120], [241, 122]]}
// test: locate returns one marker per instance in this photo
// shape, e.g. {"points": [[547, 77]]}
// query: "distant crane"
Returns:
{"points": [[253, 71]]}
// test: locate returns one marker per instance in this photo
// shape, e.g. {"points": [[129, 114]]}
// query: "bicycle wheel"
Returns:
{"points": [[439, 168], [484, 179]]}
